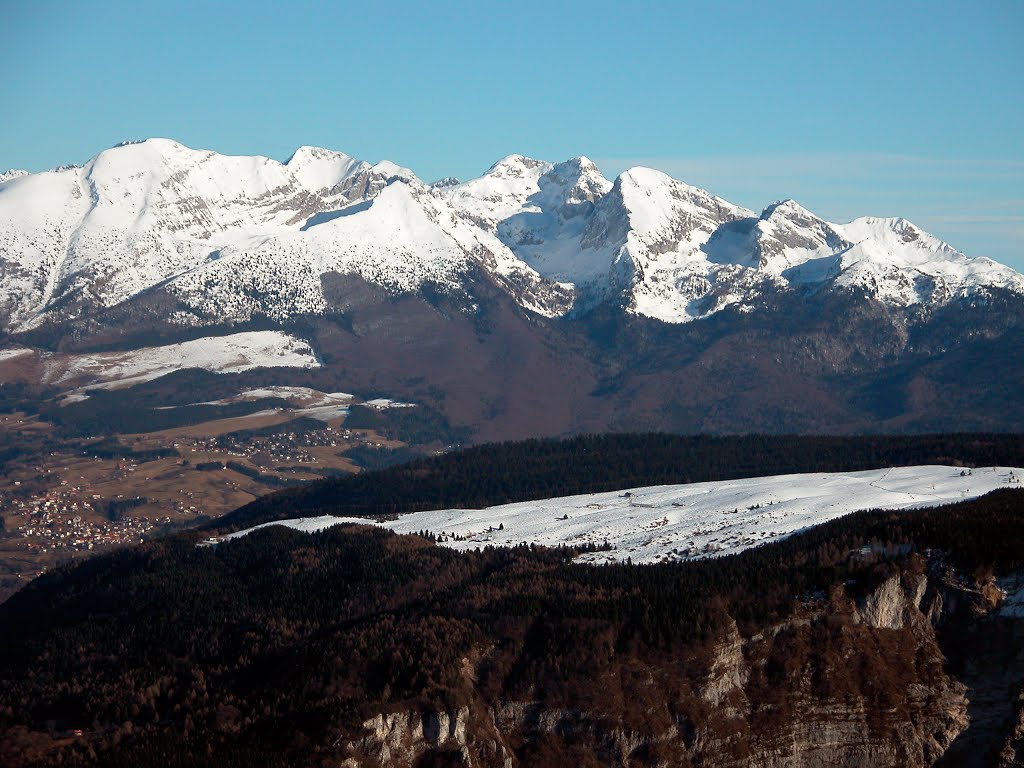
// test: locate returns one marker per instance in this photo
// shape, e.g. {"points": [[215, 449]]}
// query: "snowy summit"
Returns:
{"points": [[231, 238]]}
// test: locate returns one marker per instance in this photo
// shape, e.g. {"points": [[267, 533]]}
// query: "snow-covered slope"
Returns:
{"points": [[682, 522], [230, 238], [665, 223], [13, 173], [904, 265], [223, 354]]}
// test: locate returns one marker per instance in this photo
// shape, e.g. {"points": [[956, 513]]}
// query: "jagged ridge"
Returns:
{"points": [[232, 238]]}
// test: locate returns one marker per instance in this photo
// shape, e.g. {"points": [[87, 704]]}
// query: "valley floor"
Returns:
{"points": [[63, 498]]}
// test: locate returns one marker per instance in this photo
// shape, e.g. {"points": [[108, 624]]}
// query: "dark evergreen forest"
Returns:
{"points": [[263, 651]]}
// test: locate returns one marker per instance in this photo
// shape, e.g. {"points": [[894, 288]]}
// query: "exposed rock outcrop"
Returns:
{"points": [[844, 681]]}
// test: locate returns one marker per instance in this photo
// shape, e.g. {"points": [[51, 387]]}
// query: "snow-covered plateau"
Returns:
{"points": [[222, 354], [697, 520], [232, 238]]}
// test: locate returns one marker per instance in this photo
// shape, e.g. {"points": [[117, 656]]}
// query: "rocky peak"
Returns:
{"points": [[390, 170], [787, 209], [155, 142], [13, 173], [317, 168], [787, 235], [653, 197], [577, 185], [307, 153], [367, 181], [447, 181], [515, 166]]}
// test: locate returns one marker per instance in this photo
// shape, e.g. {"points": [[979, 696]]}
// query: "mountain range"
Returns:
{"points": [[236, 237], [563, 272], [182, 330]]}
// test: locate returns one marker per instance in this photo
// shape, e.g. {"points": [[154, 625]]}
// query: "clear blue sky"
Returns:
{"points": [[885, 108]]}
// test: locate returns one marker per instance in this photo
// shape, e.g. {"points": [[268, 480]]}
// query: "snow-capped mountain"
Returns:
{"points": [[232, 238], [13, 173]]}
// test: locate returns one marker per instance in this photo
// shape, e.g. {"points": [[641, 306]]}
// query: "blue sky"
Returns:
{"points": [[911, 109]]}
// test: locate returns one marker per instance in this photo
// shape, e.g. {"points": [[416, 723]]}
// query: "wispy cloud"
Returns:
{"points": [[981, 219]]}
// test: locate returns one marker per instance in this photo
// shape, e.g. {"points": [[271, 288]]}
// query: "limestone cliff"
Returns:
{"points": [[847, 680]]}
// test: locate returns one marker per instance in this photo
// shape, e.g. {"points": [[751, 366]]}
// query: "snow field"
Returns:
{"points": [[685, 522], [223, 354]]}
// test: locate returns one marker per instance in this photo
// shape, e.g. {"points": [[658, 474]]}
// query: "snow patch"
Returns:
{"points": [[221, 354], [10, 354], [383, 403]]}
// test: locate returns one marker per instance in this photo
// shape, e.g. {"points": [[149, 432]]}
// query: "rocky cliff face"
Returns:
{"points": [[845, 681], [1012, 752]]}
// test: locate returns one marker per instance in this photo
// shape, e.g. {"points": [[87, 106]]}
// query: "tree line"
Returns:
{"points": [[502, 473]]}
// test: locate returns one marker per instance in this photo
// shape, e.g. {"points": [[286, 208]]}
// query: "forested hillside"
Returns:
{"points": [[279, 648]]}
